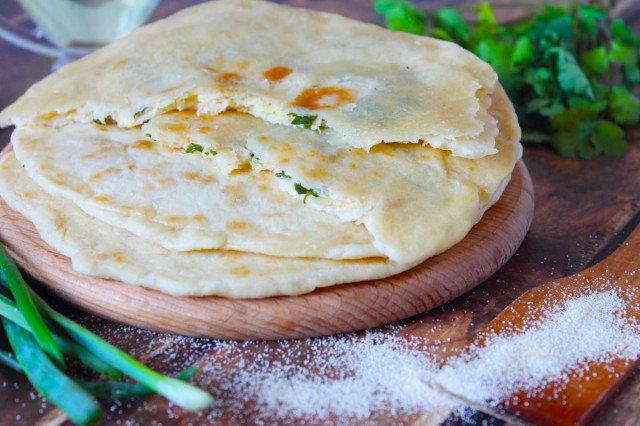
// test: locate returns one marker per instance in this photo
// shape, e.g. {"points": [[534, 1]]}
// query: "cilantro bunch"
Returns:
{"points": [[570, 71]]}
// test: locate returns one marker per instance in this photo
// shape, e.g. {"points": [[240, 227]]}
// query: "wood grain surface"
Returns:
{"points": [[583, 211], [331, 310]]}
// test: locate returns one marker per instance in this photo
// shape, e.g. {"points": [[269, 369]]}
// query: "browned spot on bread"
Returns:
{"points": [[121, 63], [175, 127], [229, 78], [245, 168], [141, 144], [241, 271], [197, 177], [105, 172], [237, 225], [118, 256], [174, 219], [323, 98], [316, 173], [276, 73]]}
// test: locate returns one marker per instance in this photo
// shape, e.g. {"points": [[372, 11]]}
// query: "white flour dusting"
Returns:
{"points": [[349, 377], [361, 377], [557, 348]]}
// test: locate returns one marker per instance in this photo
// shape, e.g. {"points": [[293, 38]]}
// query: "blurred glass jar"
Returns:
{"points": [[74, 28]]}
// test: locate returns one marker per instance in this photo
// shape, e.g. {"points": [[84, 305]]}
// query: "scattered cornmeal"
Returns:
{"points": [[383, 374]]}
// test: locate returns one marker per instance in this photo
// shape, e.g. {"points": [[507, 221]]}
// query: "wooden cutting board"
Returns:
{"points": [[331, 310]]}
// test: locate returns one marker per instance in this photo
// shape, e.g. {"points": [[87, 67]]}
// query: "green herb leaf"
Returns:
{"points": [[486, 25], [571, 78], [625, 107], [624, 33], [140, 112], [283, 175], [97, 121], [303, 120], [522, 52], [609, 138], [575, 144], [307, 192], [569, 71], [451, 22], [400, 15], [595, 61], [625, 55], [193, 147]]}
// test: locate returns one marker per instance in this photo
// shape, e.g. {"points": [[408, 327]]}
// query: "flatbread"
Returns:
{"points": [[98, 249], [218, 152], [180, 200], [400, 201], [365, 84]]}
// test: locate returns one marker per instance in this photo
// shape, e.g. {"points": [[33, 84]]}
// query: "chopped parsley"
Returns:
{"points": [[148, 135], [571, 70], [139, 113], [193, 147], [303, 120], [282, 175], [302, 190], [211, 152], [103, 122]]}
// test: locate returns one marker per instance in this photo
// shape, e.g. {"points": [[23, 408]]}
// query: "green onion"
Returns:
{"points": [[93, 351], [24, 300], [9, 310], [116, 390], [193, 147], [176, 391], [48, 380], [7, 359]]}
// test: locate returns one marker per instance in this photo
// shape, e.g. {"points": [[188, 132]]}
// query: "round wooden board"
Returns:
{"points": [[331, 310]]}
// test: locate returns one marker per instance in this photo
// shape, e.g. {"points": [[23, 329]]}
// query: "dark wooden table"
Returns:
{"points": [[584, 210]]}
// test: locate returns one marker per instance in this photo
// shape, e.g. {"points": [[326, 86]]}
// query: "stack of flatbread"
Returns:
{"points": [[245, 149]]}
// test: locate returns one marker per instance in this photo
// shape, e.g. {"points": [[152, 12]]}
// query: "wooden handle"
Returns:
{"points": [[572, 403]]}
